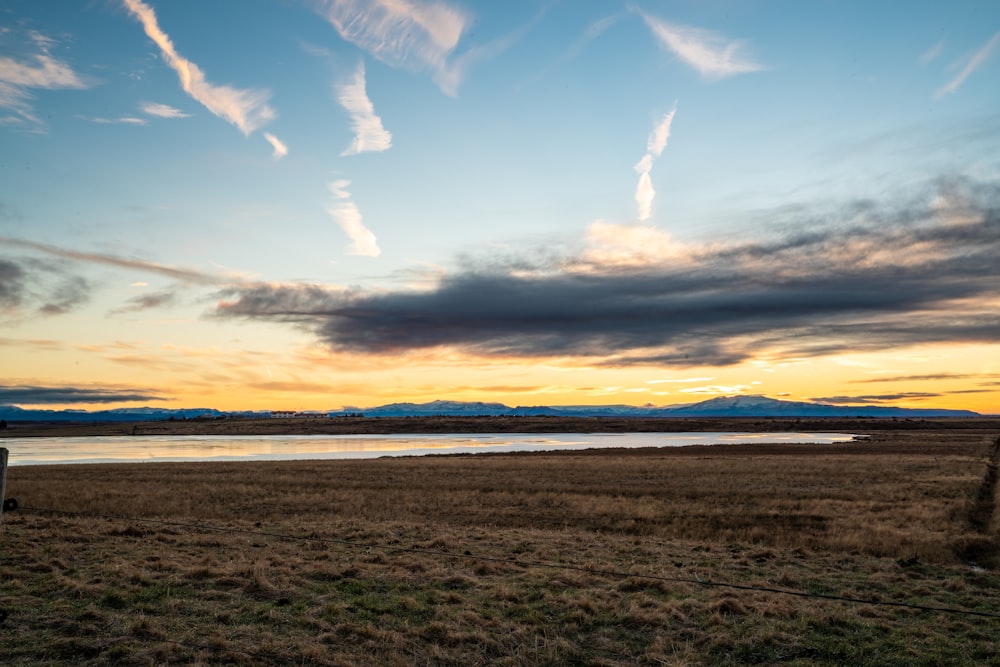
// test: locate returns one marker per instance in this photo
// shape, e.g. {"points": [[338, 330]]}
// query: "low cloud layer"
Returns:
{"points": [[32, 395], [869, 278]]}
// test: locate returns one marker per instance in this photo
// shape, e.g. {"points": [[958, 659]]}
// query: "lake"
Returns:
{"points": [[119, 449]]}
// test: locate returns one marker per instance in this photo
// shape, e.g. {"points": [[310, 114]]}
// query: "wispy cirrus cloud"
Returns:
{"points": [[932, 377], [878, 399], [280, 149], [593, 31], [123, 120], [412, 34], [711, 54], [149, 301], [12, 283], [450, 77], [977, 59], [179, 274], [680, 381], [31, 287], [38, 71], [149, 108], [931, 53], [900, 276], [162, 110], [657, 141], [346, 214], [369, 135], [245, 108]]}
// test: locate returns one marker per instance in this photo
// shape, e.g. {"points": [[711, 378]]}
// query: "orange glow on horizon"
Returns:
{"points": [[926, 377]]}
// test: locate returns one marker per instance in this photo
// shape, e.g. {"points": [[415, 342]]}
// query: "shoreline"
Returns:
{"points": [[477, 446], [460, 425]]}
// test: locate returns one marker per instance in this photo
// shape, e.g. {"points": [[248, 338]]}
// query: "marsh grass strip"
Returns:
{"points": [[981, 549], [995, 453], [982, 509]]}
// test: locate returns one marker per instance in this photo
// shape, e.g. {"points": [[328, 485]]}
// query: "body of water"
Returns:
{"points": [[118, 449]]}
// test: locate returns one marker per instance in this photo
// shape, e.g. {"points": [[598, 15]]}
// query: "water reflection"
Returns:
{"points": [[34, 451]]}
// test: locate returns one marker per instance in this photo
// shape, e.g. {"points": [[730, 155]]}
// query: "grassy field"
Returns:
{"points": [[603, 557]]}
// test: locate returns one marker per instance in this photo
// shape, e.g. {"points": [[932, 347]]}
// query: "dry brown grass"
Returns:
{"points": [[389, 572]]}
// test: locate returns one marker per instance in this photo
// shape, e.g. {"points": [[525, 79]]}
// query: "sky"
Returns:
{"points": [[327, 204]]}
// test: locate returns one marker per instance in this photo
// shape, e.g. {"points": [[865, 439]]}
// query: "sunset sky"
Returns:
{"points": [[318, 204]]}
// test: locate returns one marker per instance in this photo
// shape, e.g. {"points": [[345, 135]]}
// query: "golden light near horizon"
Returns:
{"points": [[312, 378]]}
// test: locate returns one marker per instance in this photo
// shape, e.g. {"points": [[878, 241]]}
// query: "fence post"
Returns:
{"points": [[3, 479]]}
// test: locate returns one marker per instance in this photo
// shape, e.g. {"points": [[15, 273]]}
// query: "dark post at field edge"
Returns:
{"points": [[3, 478]]}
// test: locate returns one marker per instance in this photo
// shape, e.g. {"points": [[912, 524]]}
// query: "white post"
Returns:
{"points": [[3, 479]]}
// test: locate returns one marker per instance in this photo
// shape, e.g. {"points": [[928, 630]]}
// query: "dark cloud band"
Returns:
{"points": [[31, 395], [899, 276]]}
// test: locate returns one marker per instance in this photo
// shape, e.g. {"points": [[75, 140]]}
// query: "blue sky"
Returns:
{"points": [[286, 180]]}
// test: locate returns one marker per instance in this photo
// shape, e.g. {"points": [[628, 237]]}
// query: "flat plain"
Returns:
{"points": [[881, 551]]}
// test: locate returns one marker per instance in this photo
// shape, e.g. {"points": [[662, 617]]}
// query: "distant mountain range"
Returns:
{"points": [[13, 413], [724, 406]]}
